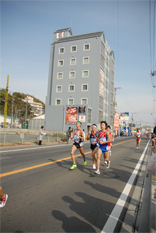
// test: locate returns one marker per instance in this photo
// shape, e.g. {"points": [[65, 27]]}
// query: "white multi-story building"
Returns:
{"points": [[37, 108]]}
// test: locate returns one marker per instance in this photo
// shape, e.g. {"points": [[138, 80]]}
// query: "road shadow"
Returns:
{"points": [[72, 224], [86, 209]]}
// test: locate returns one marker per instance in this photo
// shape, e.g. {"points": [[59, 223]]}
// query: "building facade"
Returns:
{"points": [[80, 82], [37, 108]]}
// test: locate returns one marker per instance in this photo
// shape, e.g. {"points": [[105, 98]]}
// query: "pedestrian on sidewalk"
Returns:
{"points": [[3, 198], [68, 133], [40, 135]]}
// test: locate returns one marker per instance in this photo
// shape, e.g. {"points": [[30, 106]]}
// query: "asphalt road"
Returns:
{"points": [[52, 198]]}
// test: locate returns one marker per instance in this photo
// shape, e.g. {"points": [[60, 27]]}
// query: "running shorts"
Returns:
{"points": [[78, 145], [138, 139], [92, 147], [103, 148]]}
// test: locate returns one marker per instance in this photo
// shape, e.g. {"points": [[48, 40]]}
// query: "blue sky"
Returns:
{"points": [[27, 29]]}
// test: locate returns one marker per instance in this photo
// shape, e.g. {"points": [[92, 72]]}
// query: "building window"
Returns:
{"points": [[86, 47], [102, 62], [73, 61], [100, 103], [59, 88], [58, 102], [100, 116], [84, 87], [73, 48], [85, 73], [70, 101], [60, 62], [89, 115], [60, 75], [71, 88], [86, 60], [61, 50], [72, 74], [84, 101]]}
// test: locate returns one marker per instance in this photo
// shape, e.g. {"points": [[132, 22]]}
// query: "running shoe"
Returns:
{"points": [[73, 166], [85, 162], [3, 201], [94, 167], [105, 162], [97, 172], [108, 165]]}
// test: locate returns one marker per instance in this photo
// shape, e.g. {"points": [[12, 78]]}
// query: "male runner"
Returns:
{"points": [[78, 144], [112, 139], [103, 138], [138, 139], [93, 143]]}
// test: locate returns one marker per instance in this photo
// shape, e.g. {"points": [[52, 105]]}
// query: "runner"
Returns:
{"points": [[112, 139], [104, 138], [138, 139], [3, 198], [93, 143], [78, 144]]}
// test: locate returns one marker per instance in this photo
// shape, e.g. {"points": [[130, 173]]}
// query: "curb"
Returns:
{"points": [[138, 215]]}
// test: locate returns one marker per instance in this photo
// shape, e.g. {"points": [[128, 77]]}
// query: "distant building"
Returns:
{"points": [[36, 108], [81, 81], [36, 122]]}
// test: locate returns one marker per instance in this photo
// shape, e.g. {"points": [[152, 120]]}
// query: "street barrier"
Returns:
{"points": [[21, 137]]}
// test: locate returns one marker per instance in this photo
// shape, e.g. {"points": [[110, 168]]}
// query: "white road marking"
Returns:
{"points": [[115, 214], [36, 148]]}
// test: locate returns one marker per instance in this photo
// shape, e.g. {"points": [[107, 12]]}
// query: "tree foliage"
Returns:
{"points": [[19, 106]]}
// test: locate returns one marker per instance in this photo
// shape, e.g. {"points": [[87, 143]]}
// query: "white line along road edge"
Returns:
{"points": [[36, 148], [115, 214]]}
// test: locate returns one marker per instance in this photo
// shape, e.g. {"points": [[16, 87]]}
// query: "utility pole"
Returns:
{"points": [[12, 113], [6, 102], [26, 113]]}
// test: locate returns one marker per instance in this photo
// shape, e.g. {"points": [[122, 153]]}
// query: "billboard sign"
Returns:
{"points": [[124, 116], [82, 118], [71, 115], [116, 119]]}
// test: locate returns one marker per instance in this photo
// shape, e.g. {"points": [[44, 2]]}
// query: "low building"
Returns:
{"points": [[36, 122], [36, 108]]}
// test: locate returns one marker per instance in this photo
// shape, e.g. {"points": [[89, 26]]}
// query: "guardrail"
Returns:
{"points": [[21, 137]]}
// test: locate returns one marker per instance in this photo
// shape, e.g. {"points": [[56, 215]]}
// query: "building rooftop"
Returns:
{"points": [[62, 30], [79, 37]]}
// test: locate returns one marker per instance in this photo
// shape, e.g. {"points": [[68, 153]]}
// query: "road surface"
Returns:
{"points": [[52, 198]]}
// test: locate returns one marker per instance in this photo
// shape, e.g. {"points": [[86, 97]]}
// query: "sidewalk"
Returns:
{"points": [[141, 213]]}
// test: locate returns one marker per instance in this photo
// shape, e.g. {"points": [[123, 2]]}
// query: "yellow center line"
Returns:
{"points": [[45, 164]]}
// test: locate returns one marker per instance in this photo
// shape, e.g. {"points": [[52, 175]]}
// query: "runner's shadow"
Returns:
{"points": [[92, 209], [103, 189], [72, 224]]}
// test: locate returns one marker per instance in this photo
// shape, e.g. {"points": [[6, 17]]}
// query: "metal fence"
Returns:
{"points": [[22, 137]]}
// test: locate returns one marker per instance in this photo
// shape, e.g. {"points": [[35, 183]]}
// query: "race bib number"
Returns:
{"points": [[93, 140], [103, 139], [81, 144]]}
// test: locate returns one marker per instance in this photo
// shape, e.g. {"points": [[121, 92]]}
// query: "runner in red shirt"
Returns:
{"points": [[138, 139], [111, 137]]}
